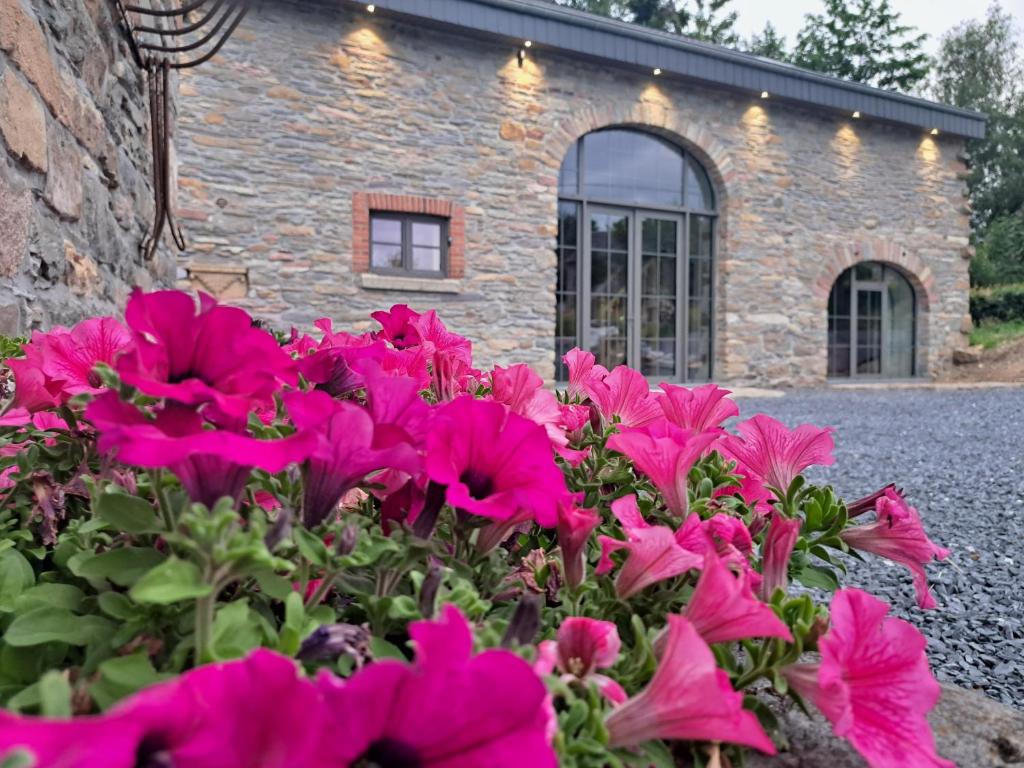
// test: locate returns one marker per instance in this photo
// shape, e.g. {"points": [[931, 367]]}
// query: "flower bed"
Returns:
{"points": [[221, 548]]}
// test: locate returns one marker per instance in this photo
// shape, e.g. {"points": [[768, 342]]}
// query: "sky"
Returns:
{"points": [[933, 17]]}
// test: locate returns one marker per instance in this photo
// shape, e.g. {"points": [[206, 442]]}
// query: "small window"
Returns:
{"points": [[406, 244]]}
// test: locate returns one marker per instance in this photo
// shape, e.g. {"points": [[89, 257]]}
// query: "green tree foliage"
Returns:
{"points": [[769, 43], [980, 66], [708, 20], [864, 41]]}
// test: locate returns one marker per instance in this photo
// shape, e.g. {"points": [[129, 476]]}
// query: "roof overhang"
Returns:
{"points": [[553, 26]]}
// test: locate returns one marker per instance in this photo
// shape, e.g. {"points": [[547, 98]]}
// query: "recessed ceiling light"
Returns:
{"points": [[935, 131], [764, 94], [657, 70], [371, 8], [856, 115], [528, 44]]}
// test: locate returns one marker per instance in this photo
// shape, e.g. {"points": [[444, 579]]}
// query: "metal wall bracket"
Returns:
{"points": [[175, 34]]}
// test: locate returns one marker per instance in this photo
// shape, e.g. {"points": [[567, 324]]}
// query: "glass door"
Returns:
{"points": [[869, 328], [606, 278], [658, 348]]}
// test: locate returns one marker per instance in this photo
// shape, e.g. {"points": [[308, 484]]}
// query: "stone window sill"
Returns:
{"points": [[414, 284]]}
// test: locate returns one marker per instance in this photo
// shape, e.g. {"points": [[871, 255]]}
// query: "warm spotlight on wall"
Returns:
{"points": [[935, 131], [657, 71], [856, 115], [764, 94], [521, 57], [371, 8]]}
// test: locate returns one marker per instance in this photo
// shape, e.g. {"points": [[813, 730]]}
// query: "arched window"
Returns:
{"points": [[872, 318], [636, 231]]}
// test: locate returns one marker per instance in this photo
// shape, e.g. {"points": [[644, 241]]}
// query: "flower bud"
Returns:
{"points": [[525, 622], [346, 542], [280, 530], [332, 640], [428, 590]]}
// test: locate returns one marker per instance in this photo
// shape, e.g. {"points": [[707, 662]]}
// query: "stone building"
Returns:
{"points": [[75, 197]]}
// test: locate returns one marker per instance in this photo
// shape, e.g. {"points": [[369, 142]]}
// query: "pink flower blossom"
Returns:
{"points": [[653, 552], [211, 464], [777, 454], [897, 534], [873, 684], [494, 463], [256, 711], [211, 355], [732, 542], [624, 395], [582, 371], [583, 647], [665, 453], [59, 365], [689, 698], [723, 607], [575, 526], [345, 451], [523, 392], [449, 709], [775, 553], [398, 326], [751, 489], [399, 414], [699, 409]]}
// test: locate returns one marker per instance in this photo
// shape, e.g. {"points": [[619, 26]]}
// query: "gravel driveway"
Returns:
{"points": [[959, 454]]}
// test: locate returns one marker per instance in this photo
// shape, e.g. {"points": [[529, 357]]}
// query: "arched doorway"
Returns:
{"points": [[872, 320], [636, 233]]}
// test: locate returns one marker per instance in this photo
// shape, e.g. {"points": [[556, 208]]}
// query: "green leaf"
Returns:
{"points": [[66, 596], [170, 582], [16, 575], [311, 547], [382, 649], [54, 695], [121, 566], [821, 578], [122, 676], [47, 624], [18, 758], [128, 513], [236, 631], [116, 605], [276, 586]]}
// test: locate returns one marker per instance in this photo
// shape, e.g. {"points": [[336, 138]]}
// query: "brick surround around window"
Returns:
{"points": [[365, 203]]}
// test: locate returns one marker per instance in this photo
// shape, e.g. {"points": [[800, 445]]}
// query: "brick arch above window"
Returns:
{"points": [[847, 254], [365, 203]]}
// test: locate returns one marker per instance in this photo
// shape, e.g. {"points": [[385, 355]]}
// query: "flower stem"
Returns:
{"points": [[204, 627]]}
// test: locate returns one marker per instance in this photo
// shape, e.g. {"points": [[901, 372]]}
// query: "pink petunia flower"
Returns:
{"points": [[583, 647], [523, 392], [398, 326], [665, 453], [442, 711], [494, 463], [723, 607], [575, 526], [256, 711], [689, 698], [211, 464], [698, 409], [775, 553], [777, 454], [624, 395], [653, 552], [59, 365], [582, 371], [873, 684], [897, 534], [206, 355], [345, 451]]}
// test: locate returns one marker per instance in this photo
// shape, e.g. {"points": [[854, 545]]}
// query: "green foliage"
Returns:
{"points": [[992, 333], [863, 41], [980, 66], [769, 43], [1002, 303], [708, 20]]}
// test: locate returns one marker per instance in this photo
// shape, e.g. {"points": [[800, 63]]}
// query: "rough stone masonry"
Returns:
{"points": [[75, 196]]}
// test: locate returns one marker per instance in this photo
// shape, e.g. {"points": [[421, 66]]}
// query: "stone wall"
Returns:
{"points": [[314, 103], [75, 199]]}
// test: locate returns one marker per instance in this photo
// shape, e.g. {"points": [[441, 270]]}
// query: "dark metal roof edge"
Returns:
{"points": [[957, 121]]}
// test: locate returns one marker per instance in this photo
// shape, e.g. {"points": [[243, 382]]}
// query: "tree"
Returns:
{"points": [[864, 41], [980, 67], [707, 20], [769, 44]]}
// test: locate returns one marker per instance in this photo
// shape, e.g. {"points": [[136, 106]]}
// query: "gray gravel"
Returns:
{"points": [[959, 454]]}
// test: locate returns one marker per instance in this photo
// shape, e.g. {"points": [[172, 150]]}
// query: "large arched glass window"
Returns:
{"points": [[636, 231], [871, 323]]}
